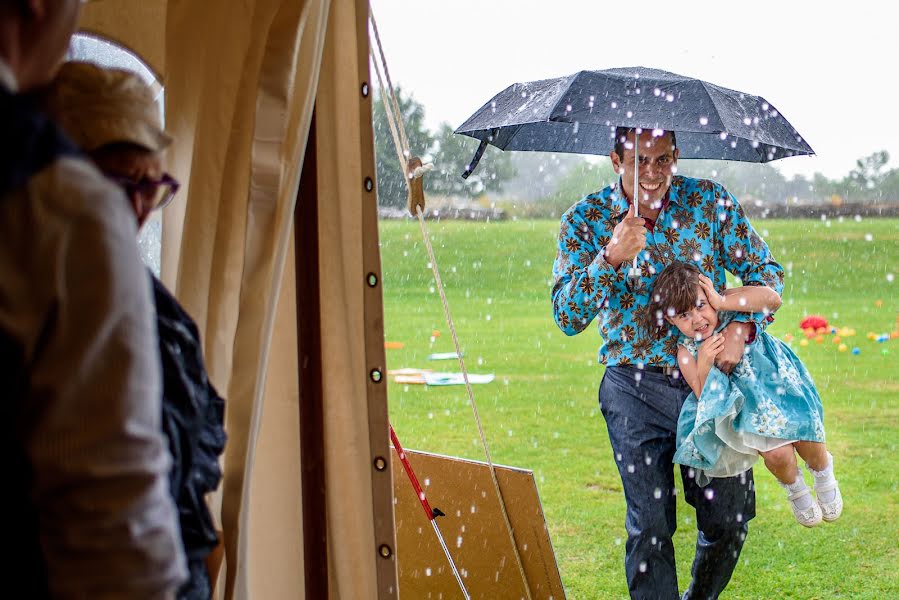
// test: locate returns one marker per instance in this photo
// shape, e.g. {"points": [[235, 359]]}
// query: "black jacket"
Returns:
{"points": [[193, 420]]}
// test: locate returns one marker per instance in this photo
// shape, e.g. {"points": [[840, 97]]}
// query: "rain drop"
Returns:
{"points": [[657, 493], [642, 566], [703, 120], [709, 494]]}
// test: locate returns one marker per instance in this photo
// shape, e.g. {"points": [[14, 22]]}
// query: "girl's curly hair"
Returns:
{"points": [[673, 292]]}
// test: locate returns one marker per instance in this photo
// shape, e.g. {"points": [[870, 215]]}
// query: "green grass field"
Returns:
{"points": [[541, 412]]}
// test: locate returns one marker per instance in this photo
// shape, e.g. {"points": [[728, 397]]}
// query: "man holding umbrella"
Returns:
{"points": [[611, 246], [680, 218]]}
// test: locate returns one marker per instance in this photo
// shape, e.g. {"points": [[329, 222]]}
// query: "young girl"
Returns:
{"points": [[768, 406]]}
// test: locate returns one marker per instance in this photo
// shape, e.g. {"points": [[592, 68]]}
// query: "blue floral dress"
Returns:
{"points": [[768, 401]]}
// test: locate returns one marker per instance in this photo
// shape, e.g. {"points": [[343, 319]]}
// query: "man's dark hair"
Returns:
{"points": [[673, 293], [621, 136]]}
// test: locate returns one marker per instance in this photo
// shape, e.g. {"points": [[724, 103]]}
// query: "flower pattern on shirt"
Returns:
{"points": [[702, 223]]}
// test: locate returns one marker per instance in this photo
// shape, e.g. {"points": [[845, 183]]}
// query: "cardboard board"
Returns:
{"points": [[474, 531]]}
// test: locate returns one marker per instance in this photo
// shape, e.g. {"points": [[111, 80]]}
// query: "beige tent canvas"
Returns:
{"points": [[273, 249], [305, 416]]}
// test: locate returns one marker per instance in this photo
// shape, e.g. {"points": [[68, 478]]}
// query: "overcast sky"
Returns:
{"points": [[830, 68]]}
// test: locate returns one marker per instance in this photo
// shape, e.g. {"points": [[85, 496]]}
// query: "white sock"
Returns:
{"points": [[797, 486], [825, 476]]}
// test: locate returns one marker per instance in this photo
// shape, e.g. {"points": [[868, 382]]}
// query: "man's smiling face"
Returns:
{"points": [[658, 163]]}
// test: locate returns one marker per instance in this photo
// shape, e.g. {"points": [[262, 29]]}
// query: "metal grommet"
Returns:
{"points": [[385, 551], [365, 89], [375, 375], [380, 463], [372, 280], [369, 184]]}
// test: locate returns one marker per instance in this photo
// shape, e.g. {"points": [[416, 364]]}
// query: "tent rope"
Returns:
{"points": [[402, 146]]}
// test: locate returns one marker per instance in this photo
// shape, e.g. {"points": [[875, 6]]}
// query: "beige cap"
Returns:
{"points": [[98, 106]]}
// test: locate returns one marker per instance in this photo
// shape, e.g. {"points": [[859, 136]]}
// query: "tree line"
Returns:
{"points": [[545, 184]]}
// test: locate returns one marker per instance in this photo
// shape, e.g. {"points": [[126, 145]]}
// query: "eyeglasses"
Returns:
{"points": [[157, 193]]}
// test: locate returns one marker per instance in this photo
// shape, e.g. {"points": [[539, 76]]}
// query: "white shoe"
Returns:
{"points": [[807, 517], [830, 511]]}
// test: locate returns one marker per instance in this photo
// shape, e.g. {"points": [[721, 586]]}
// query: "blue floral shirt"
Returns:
{"points": [[700, 223]]}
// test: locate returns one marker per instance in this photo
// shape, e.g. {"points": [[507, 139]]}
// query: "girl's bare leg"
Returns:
{"points": [[820, 463], [814, 454], [782, 463]]}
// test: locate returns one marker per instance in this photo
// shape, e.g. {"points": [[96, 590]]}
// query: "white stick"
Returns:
{"points": [[636, 198], [450, 558]]}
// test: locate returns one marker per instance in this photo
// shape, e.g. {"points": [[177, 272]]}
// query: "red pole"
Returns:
{"points": [[411, 474], [427, 508]]}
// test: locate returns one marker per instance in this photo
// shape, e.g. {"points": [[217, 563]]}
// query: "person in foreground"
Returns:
{"points": [[112, 115], [88, 514], [768, 406], [642, 392]]}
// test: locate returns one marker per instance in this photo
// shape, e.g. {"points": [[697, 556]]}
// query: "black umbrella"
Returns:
{"points": [[579, 114]]}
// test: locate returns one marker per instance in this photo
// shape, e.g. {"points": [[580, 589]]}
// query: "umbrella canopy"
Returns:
{"points": [[579, 114]]}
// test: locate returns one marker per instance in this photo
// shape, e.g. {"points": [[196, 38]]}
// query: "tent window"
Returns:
{"points": [[109, 54]]}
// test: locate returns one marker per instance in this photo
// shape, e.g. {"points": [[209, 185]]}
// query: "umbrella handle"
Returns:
{"points": [[479, 153]]}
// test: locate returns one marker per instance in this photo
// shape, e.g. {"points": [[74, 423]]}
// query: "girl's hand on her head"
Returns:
{"points": [[715, 299]]}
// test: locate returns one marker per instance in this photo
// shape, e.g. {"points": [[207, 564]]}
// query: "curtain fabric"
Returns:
{"points": [[239, 96], [241, 80], [359, 497]]}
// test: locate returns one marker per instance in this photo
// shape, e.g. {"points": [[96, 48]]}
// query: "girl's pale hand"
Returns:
{"points": [[710, 349], [715, 299]]}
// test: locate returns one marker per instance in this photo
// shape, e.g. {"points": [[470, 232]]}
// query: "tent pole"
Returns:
{"points": [[309, 353]]}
